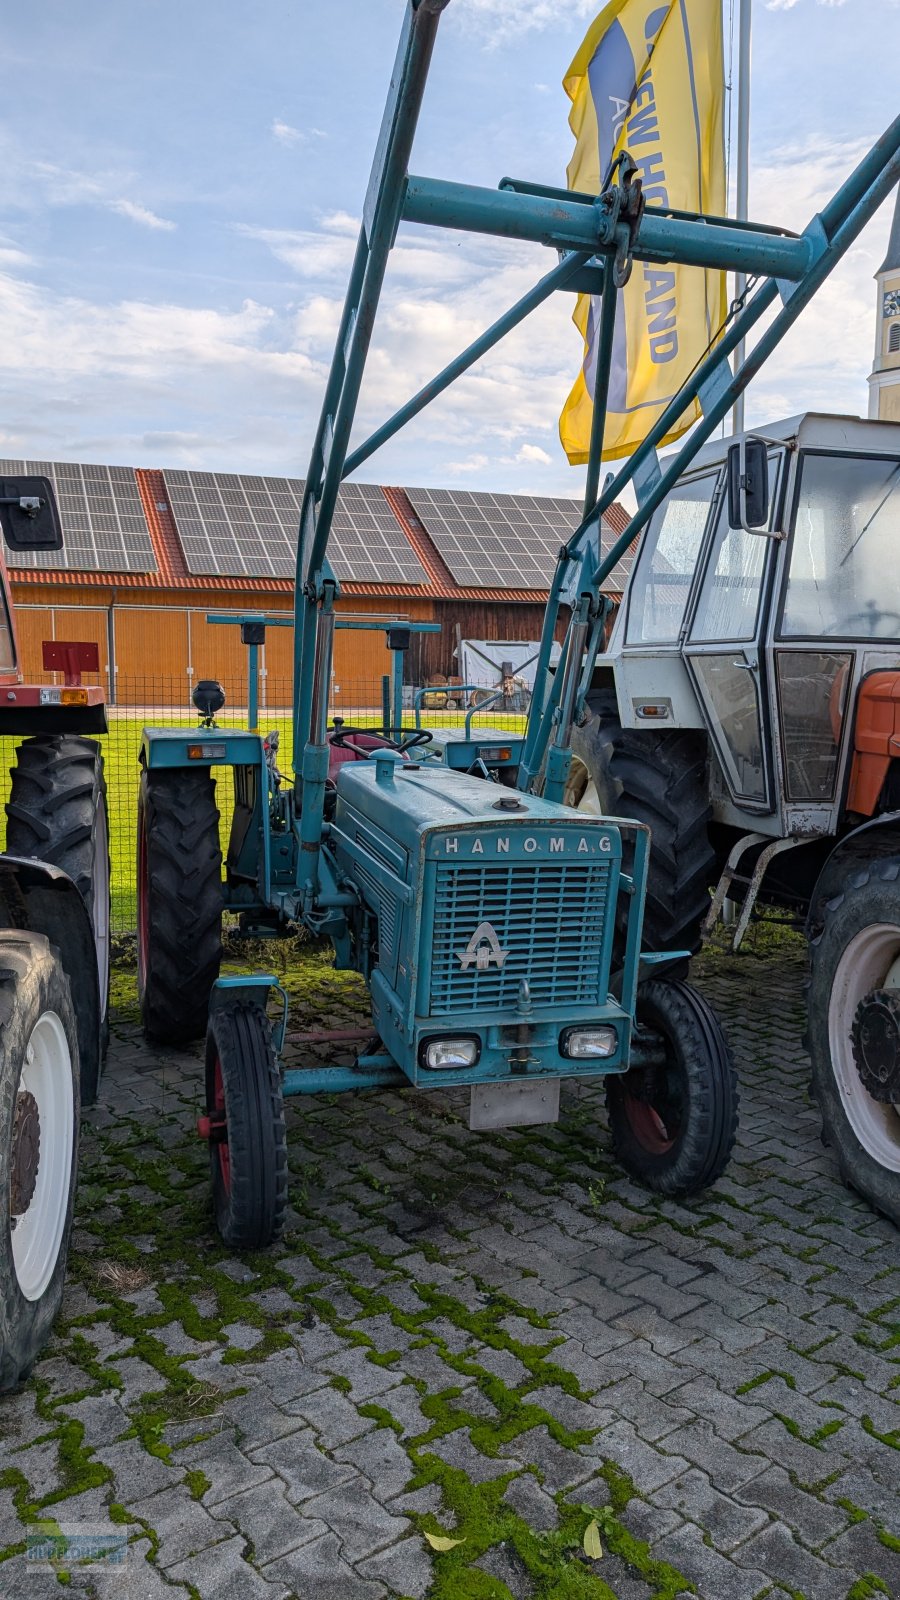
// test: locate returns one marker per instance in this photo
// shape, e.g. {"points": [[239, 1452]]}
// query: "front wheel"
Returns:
{"points": [[854, 1031], [244, 1124], [39, 1116], [673, 1114]]}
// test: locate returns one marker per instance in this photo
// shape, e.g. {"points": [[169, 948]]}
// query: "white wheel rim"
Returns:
{"points": [[37, 1235], [870, 961], [100, 904]]}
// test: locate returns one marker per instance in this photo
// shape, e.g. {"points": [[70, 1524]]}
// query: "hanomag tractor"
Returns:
{"points": [[748, 712], [498, 931], [54, 949]]}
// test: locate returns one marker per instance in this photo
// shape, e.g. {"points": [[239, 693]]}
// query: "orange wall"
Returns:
{"points": [[158, 641]]}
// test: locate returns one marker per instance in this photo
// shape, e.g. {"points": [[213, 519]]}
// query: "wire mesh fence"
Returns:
{"points": [[152, 701]]}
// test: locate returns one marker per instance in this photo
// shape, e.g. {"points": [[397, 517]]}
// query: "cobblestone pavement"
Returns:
{"points": [[490, 1339]]}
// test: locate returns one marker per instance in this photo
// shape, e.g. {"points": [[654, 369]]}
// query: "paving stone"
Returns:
{"points": [[560, 1467], [266, 1518], [381, 1459], [257, 1418], [136, 1472], [226, 1467], [714, 1575], [221, 1573], [812, 1519], [367, 1379], [361, 1524], [644, 1463], [317, 1571], [181, 1524], [536, 1508], [775, 1551], [333, 1416], [404, 1567], [505, 1564], [302, 1466], [727, 1523], [458, 1451]]}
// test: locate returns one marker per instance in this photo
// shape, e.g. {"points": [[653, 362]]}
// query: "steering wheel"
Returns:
{"points": [[407, 741]]}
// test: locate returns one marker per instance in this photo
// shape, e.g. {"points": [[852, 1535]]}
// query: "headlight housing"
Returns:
{"points": [[588, 1044], [450, 1053]]}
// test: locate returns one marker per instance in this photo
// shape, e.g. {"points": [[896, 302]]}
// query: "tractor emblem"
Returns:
{"points": [[482, 949]]}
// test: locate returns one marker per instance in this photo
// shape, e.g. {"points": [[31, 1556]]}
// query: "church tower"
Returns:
{"points": [[884, 382]]}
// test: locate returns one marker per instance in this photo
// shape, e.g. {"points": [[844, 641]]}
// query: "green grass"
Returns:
{"points": [[121, 751]]}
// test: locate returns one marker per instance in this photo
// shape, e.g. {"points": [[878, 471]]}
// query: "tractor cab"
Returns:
{"points": [[777, 636]]}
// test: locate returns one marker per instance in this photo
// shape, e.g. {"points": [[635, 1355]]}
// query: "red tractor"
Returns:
{"points": [[54, 948]]}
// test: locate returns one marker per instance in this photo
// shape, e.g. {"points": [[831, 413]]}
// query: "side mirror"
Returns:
{"points": [[29, 515], [748, 485]]}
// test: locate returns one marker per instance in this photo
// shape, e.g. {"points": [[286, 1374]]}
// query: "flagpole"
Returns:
{"points": [[743, 174]]}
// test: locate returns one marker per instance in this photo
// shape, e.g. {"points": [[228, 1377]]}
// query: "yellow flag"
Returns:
{"points": [[649, 79]]}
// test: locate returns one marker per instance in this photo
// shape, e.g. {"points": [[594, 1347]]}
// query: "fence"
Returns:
{"points": [[159, 702]]}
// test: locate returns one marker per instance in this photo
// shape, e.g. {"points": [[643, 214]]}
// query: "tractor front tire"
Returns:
{"points": [[39, 1118], [57, 812], [673, 1114], [245, 1126], [179, 891], [853, 1030], [659, 778]]}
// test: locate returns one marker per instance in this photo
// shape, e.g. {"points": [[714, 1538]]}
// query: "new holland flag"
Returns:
{"points": [[648, 79]]}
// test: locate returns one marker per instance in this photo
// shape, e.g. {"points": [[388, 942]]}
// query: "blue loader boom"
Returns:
{"points": [[498, 931]]}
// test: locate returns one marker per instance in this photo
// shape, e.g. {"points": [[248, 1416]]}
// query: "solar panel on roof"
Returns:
{"points": [[495, 540], [247, 526], [102, 515], [498, 540]]}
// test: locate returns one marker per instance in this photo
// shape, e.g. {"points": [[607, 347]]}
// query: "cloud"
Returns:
{"points": [[474, 463], [533, 452], [141, 214], [285, 134], [497, 20]]}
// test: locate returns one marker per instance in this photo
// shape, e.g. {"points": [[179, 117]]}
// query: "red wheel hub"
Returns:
{"points": [[220, 1117], [648, 1126]]}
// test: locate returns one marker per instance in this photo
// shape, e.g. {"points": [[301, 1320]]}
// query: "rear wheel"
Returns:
{"points": [[39, 1115], [658, 778], [179, 889], [854, 1031], [245, 1126], [673, 1114], [57, 812]]}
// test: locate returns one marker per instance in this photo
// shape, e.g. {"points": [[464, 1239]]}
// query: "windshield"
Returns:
{"points": [[842, 577], [666, 562]]}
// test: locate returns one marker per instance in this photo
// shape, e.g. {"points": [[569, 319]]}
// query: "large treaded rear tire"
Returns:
{"points": [[673, 1127], [179, 887], [248, 1147], [658, 778], [57, 812], [856, 951], [34, 990]]}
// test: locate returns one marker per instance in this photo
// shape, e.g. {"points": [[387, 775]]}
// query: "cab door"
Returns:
{"points": [[723, 652]]}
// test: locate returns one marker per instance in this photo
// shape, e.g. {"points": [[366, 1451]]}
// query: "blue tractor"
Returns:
{"points": [[499, 932]]}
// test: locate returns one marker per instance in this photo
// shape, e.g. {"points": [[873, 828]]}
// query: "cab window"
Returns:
{"points": [[841, 580], [666, 563]]}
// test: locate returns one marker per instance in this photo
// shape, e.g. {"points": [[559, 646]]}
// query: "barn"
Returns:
{"points": [[150, 552]]}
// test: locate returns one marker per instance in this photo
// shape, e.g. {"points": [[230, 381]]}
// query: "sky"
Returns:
{"points": [[181, 195]]}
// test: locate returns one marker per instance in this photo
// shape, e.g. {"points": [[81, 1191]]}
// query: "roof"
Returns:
{"points": [[891, 262], [226, 533]]}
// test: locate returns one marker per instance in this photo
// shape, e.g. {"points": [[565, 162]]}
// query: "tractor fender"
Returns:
{"points": [[877, 836], [39, 898]]}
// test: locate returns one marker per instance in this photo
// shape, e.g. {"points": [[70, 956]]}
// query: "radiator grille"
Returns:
{"points": [[548, 917]]}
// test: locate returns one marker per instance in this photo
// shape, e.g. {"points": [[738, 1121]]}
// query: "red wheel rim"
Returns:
{"points": [[222, 1149], [647, 1126], [143, 895]]}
